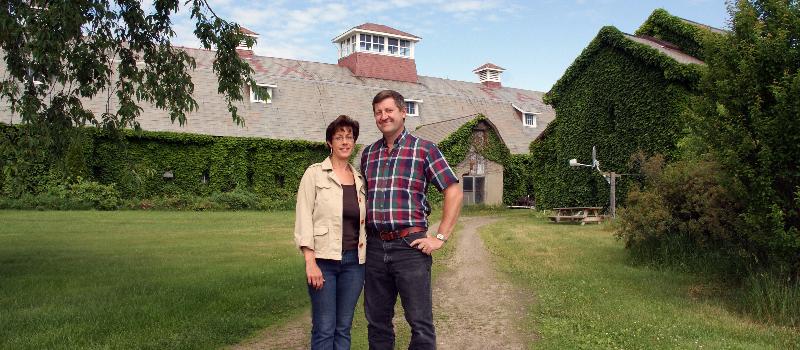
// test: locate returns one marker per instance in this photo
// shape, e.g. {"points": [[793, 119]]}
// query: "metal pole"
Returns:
{"points": [[613, 208]]}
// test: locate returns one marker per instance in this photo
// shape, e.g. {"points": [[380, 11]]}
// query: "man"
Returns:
{"points": [[398, 169]]}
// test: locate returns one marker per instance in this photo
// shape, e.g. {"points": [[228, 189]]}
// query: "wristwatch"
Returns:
{"points": [[441, 237]]}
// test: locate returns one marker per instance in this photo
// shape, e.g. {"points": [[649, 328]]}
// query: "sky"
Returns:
{"points": [[535, 41]]}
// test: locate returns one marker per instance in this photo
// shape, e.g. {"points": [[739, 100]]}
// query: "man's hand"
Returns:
{"points": [[427, 245]]}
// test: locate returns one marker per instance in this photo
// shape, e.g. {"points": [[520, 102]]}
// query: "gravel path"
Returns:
{"points": [[473, 308]]}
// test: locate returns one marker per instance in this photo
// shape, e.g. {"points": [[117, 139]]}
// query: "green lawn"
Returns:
{"points": [[134, 279], [153, 280], [586, 295]]}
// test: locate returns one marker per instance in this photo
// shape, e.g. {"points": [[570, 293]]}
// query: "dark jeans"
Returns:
{"points": [[332, 306], [394, 267]]}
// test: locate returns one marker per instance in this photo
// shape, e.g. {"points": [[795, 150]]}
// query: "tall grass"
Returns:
{"points": [[588, 295], [770, 299]]}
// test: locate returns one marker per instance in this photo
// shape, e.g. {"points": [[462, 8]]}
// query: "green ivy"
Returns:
{"points": [[456, 146], [664, 26], [611, 39], [618, 95], [136, 164]]}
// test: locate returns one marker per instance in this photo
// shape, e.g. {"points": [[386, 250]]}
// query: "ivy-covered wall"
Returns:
{"points": [[620, 96], [200, 164]]}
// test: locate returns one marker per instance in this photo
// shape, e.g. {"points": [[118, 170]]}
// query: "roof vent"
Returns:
{"points": [[248, 33], [489, 75]]}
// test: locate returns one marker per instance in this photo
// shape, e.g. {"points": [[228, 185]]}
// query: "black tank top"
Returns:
{"points": [[351, 215]]}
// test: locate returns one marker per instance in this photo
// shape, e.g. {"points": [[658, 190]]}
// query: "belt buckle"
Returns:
{"points": [[389, 235]]}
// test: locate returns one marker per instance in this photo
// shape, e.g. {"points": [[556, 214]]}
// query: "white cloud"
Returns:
{"points": [[302, 30], [467, 6]]}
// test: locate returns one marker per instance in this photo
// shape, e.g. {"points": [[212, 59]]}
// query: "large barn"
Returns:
{"points": [[306, 96]]}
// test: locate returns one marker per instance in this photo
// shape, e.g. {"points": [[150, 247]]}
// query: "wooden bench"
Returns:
{"points": [[577, 214]]}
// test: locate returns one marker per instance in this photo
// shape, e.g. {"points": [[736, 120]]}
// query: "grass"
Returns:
{"points": [[149, 280], [588, 296]]}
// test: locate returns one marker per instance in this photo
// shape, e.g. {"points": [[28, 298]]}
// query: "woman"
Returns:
{"points": [[329, 229]]}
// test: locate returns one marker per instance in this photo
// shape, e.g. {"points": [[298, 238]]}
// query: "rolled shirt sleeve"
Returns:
{"points": [[304, 211], [437, 171]]}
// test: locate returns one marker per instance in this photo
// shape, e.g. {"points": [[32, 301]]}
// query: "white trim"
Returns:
{"points": [[524, 111], [242, 46], [416, 107], [385, 44], [359, 30], [476, 70], [524, 120], [270, 90]]}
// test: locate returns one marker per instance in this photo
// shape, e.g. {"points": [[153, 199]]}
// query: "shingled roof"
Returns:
{"points": [[665, 48], [308, 95], [488, 65], [385, 29]]}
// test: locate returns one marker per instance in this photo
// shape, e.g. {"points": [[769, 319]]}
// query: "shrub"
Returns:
{"points": [[80, 195], [99, 196], [236, 199], [690, 208]]}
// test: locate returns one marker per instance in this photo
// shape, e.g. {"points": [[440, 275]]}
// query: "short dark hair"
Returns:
{"points": [[398, 99], [339, 123]]}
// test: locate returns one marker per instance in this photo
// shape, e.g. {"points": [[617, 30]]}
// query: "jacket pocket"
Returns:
{"points": [[321, 240], [320, 231]]}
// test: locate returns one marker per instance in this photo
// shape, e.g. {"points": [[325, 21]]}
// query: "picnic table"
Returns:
{"points": [[577, 214]]}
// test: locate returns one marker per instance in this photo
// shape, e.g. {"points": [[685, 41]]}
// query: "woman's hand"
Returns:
{"points": [[313, 273]]}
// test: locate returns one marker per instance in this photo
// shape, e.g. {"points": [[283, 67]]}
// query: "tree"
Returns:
{"points": [[59, 52], [749, 118]]}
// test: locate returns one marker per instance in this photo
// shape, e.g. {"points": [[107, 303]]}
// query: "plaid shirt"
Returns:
{"points": [[397, 181]]}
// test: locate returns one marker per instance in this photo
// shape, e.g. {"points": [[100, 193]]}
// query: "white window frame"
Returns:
{"points": [[270, 90], [390, 47], [417, 104], [368, 42], [525, 119], [524, 113]]}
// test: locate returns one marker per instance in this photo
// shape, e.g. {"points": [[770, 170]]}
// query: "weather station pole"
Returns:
{"points": [[611, 178]]}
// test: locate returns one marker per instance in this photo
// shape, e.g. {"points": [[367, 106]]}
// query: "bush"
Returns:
{"points": [[688, 216], [80, 195], [236, 200], [688, 209], [99, 196]]}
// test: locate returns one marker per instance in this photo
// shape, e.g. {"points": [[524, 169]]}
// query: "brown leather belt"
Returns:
{"points": [[390, 235]]}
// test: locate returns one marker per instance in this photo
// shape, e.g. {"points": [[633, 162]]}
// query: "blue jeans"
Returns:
{"points": [[394, 267], [332, 306]]}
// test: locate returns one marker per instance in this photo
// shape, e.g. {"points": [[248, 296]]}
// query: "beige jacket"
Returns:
{"points": [[318, 220]]}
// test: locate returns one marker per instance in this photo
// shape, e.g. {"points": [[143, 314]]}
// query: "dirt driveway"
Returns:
{"points": [[473, 308]]}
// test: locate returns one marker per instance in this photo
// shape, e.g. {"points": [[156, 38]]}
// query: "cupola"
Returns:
{"points": [[377, 51], [489, 75], [242, 49]]}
